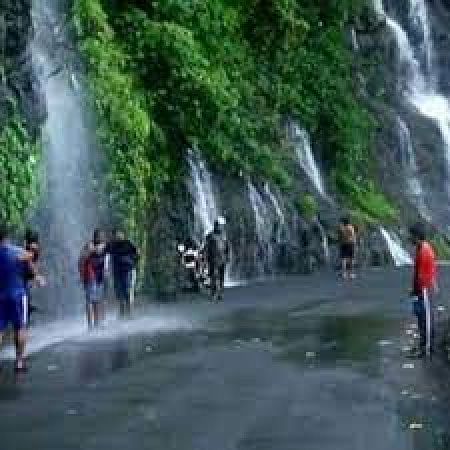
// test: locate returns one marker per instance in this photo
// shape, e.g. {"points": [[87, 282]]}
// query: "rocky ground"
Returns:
{"points": [[313, 362]]}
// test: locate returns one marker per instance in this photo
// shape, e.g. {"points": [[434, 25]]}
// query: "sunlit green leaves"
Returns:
{"points": [[19, 163], [221, 75]]}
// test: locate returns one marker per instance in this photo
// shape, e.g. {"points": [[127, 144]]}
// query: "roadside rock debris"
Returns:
{"points": [[415, 426]]}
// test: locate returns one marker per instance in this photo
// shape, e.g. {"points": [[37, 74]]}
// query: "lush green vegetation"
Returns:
{"points": [[19, 162], [307, 206], [223, 75], [441, 245]]}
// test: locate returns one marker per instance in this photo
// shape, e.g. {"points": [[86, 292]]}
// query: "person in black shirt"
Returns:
{"points": [[124, 258], [217, 252]]}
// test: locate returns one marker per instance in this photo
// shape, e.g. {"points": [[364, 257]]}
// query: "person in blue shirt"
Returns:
{"points": [[13, 293]]}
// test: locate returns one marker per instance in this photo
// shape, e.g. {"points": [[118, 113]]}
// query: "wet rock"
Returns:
{"points": [[19, 85]]}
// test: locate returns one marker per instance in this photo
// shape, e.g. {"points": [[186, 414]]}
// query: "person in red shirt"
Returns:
{"points": [[87, 277], [424, 284]]}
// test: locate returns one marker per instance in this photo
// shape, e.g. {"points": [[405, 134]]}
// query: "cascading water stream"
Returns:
{"points": [[399, 255], [420, 86], [280, 223], [264, 230], [71, 207], [305, 156], [409, 163], [206, 210]]}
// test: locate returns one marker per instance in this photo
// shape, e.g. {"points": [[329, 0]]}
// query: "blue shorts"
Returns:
{"points": [[95, 292], [14, 311]]}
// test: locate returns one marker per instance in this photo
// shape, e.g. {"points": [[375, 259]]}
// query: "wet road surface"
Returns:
{"points": [[302, 363]]}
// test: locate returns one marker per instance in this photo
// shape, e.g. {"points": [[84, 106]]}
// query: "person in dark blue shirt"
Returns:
{"points": [[124, 258], [13, 293]]}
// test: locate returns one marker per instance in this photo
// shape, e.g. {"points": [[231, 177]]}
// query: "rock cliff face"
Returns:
{"points": [[19, 87], [276, 232], [408, 91], [392, 48]]}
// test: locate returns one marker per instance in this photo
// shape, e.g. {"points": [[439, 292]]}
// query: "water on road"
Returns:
{"points": [[311, 363]]}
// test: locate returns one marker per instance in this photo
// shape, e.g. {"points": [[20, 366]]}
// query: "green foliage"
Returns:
{"points": [[366, 200], [126, 130], [222, 75], [307, 206], [19, 162], [442, 247]]}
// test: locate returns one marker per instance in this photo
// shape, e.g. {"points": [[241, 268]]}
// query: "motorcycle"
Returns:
{"points": [[194, 268]]}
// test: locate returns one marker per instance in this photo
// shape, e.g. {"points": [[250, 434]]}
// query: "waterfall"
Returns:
{"points": [[354, 38], [420, 89], [264, 230], [418, 16], [409, 163], [206, 209], [275, 204], [399, 255], [201, 189], [70, 203], [305, 156], [280, 224], [324, 241]]}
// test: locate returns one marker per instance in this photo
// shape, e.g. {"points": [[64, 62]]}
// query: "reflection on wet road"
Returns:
{"points": [[307, 363]]}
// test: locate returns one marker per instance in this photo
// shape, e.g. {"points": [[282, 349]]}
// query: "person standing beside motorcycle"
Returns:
{"points": [[217, 252]]}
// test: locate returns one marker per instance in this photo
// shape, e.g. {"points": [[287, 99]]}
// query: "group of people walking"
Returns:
{"points": [[100, 257]]}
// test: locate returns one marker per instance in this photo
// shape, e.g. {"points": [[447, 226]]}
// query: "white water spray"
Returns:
{"points": [[150, 322], [355, 44], [201, 187], [409, 163], [420, 88], [399, 255], [305, 156], [68, 156], [264, 229], [276, 205]]}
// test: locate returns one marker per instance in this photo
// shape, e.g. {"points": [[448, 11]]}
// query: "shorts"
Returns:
{"points": [[14, 311], [95, 292], [347, 251]]}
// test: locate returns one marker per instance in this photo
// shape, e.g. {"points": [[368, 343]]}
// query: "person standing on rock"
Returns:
{"points": [[124, 258], [217, 251], [347, 238], [424, 283]]}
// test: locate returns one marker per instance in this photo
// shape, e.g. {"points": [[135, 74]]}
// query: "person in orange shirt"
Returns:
{"points": [[424, 284]]}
